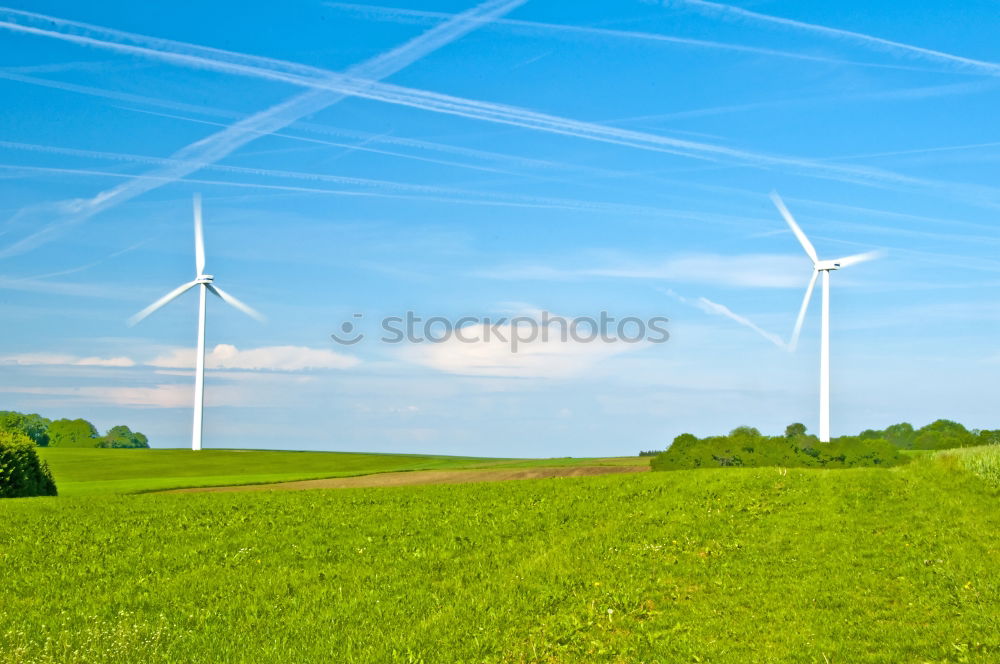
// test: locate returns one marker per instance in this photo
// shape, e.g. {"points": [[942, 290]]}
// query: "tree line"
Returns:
{"points": [[747, 447], [69, 433]]}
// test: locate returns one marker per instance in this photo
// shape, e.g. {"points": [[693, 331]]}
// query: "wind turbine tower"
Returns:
{"points": [[206, 283], [819, 268]]}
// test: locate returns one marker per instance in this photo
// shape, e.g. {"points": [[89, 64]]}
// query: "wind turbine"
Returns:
{"points": [[207, 283], [824, 268]]}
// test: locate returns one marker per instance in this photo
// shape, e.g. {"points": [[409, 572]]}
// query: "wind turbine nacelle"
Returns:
{"points": [[205, 279], [827, 265]]}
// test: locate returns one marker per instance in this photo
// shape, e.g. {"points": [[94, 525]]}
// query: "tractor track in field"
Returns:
{"points": [[415, 477]]}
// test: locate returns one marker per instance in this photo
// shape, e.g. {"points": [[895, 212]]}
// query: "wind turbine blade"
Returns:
{"points": [[232, 301], [803, 240], [859, 258], [802, 312], [199, 239], [162, 301]]}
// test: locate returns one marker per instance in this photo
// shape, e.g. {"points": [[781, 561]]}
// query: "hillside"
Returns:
{"points": [[720, 565]]}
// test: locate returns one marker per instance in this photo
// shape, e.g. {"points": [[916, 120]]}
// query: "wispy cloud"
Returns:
{"points": [[57, 359], [266, 358], [218, 145], [552, 354], [286, 359], [958, 62], [34, 285], [159, 396]]}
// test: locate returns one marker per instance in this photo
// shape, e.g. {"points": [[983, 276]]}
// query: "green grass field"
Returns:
{"points": [[723, 565], [81, 471]]}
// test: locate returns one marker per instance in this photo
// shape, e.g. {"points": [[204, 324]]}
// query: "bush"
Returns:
{"points": [[22, 473], [746, 447]]}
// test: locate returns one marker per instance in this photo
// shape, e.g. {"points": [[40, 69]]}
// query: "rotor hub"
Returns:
{"points": [[205, 279]]}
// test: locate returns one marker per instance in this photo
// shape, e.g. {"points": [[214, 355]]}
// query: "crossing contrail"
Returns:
{"points": [[220, 144], [349, 83]]}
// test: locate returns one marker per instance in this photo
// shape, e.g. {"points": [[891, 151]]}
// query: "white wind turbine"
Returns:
{"points": [[206, 281], [824, 267]]}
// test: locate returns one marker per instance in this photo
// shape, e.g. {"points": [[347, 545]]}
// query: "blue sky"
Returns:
{"points": [[502, 159]]}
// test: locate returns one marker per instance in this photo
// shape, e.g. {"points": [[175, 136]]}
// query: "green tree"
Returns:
{"points": [[901, 435], [121, 436], [72, 433], [795, 429], [684, 441], [748, 433], [942, 435], [22, 473], [34, 426]]}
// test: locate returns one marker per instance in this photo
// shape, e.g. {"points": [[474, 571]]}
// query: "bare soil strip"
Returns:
{"points": [[425, 477]]}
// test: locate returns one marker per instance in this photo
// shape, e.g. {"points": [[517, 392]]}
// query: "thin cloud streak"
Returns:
{"points": [[924, 92], [217, 146], [736, 271], [29, 285], [509, 115], [313, 128], [715, 309], [524, 202], [958, 62], [396, 13]]}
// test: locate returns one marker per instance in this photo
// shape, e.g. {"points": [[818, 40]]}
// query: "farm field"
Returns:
{"points": [[82, 471], [724, 565]]}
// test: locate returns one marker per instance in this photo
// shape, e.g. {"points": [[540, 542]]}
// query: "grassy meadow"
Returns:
{"points": [[716, 565], [89, 471]]}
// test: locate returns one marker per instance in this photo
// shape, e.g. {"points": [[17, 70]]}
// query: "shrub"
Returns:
{"points": [[745, 446], [22, 473]]}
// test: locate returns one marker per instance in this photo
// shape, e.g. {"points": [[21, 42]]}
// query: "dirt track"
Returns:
{"points": [[426, 477]]}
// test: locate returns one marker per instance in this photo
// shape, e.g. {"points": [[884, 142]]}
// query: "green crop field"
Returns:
{"points": [[721, 565], [82, 471]]}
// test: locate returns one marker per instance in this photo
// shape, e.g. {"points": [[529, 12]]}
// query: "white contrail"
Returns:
{"points": [[717, 309], [395, 13], [322, 79], [499, 200], [304, 126], [891, 94], [219, 145], [347, 84], [955, 61], [243, 170]]}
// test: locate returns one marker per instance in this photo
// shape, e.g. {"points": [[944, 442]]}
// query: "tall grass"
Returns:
{"points": [[983, 461]]}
